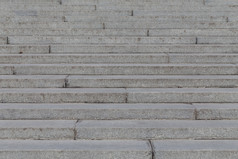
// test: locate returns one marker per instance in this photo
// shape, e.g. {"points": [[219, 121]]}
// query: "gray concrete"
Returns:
{"points": [[172, 25], [149, 81], [36, 81], [125, 69], [157, 129], [148, 19], [53, 25], [217, 40], [220, 2], [183, 95], [6, 70], [54, 95], [73, 31], [144, 49], [193, 32], [204, 58], [18, 111], [99, 40], [37, 130], [73, 149], [22, 49], [219, 111], [87, 58], [185, 149]]}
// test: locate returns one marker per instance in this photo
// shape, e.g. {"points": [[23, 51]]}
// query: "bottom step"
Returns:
{"points": [[19, 149], [182, 149], [120, 149]]}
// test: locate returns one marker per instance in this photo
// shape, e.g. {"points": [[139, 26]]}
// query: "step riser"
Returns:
{"points": [[118, 111], [119, 96], [195, 149], [81, 32], [101, 40], [96, 111], [157, 130], [120, 59], [144, 49], [73, 149], [122, 70]]}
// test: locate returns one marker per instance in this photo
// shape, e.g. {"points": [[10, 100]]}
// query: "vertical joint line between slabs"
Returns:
{"points": [[132, 13], [148, 32], [13, 70], [49, 49], [7, 40], [204, 2], [195, 114], [103, 26], [66, 81], [126, 100], [75, 129], [152, 149], [196, 41]]}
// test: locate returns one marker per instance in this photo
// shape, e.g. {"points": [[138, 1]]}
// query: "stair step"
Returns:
{"points": [[117, 81], [37, 129], [53, 95], [193, 32], [122, 25], [221, 2], [182, 95], [99, 40], [147, 20], [120, 69], [131, 2], [217, 40], [36, 81], [7, 2], [92, 58], [79, 111], [119, 95], [20, 49], [144, 49], [218, 111], [135, 81], [170, 25], [156, 129], [73, 32], [56, 25], [181, 149], [73, 149], [168, 7], [44, 7], [209, 58]]}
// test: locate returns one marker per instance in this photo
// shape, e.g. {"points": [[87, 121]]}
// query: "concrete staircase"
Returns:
{"points": [[118, 79]]}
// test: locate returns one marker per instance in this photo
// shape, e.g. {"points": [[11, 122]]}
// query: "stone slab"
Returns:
{"points": [[83, 58], [183, 95], [36, 81], [185, 149], [157, 129], [73, 149], [219, 111], [19, 111], [124, 69], [144, 49], [150, 81], [99, 40], [57, 95], [37, 129]]}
